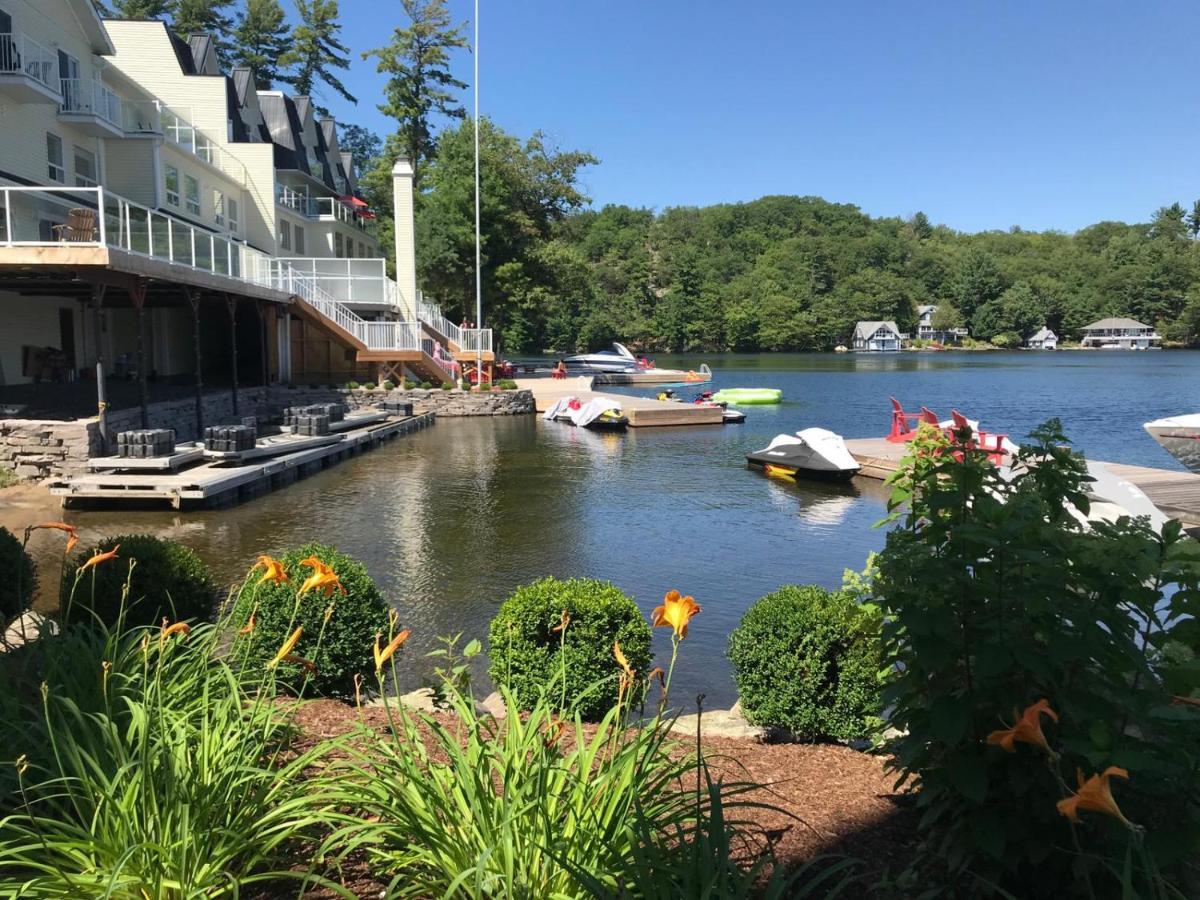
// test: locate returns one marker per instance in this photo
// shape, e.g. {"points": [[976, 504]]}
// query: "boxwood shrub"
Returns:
{"points": [[524, 649], [16, 588], [807, 660], [345, 644], [169, 580]]}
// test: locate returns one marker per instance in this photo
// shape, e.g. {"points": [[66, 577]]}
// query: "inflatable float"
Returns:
{"points": [[748, 396]]}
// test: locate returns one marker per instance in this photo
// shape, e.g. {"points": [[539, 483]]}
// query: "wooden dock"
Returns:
{"points": [[642, 412], [220, 483], [652, 376], [1176, 493]]}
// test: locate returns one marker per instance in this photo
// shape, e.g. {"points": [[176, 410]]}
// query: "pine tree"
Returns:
{"points": [[421, 84], [137, 9], [316, 51], [206, 17], [260, 40]]}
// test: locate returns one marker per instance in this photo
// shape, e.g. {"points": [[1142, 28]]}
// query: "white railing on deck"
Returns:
{"points": [[431, 314], [432, 349], [19, 53], [82, 97], [180, 131], [352, 280], [475, 340], [142, 117]]}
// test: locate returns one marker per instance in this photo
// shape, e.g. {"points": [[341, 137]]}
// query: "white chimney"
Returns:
{"points": [[406, 241]]}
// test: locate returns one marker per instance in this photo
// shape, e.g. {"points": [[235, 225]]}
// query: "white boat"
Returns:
{"points": [[1179, 436], [599, 414], [618, 359], [811, 453]]}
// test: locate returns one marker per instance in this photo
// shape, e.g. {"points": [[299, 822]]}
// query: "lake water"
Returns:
{"points": [[451, 519]]}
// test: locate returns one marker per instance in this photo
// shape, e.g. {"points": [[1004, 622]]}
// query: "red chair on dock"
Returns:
{"points": [[990, 443], [904, 425]]}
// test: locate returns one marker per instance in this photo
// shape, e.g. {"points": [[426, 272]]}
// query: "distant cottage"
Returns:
{"points": [[926, 331], [877, 337], [1043, 339], [1119, 333]]}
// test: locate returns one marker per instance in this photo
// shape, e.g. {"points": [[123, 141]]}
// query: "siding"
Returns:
{"points": [[33, 322]]}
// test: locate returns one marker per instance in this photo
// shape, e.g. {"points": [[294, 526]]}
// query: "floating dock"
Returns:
{"points": [[653, 376], [1176, 493], [642, 412], [215, 483]]}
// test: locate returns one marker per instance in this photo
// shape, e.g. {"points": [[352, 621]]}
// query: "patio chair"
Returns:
{"points": [[989, 443], [80, 227], [904, 425]]}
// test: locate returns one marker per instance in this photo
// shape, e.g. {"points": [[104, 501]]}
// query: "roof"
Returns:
{"points": [[86, 14], [926, 308], [1116, 322], [865, 330], [1043, 334]]}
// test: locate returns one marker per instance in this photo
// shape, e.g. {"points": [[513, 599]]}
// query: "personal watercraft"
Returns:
{"points": [[811, 453], [599, 414]]}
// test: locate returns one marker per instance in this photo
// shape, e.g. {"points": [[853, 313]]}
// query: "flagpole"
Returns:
{"points": [[478, 270]]}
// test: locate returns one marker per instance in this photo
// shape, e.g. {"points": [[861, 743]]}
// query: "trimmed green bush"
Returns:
{"points": [[16, 588], [808, 660], [370, 386], [525, 651], [169, 580], [447, 385], [339, 648], [350, 385], [426, 385], [389, 385]]}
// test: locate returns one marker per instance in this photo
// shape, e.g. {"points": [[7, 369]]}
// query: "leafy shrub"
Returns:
{"points": [[389, 385], [528, 657], [447, 385], [808, 660], [370, 386], [169, 580], [16, 588], [506, 384], [997, 597], [340, 648], [8, 477], [352, 385], [426, 385]]}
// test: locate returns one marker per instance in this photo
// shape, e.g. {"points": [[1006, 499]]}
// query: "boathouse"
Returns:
{"points": [[1042, 339], [877, 337], [1119, 333]]}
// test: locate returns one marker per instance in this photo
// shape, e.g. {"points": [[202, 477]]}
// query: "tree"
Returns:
{"points": [[363, 145], [316, 50], [420, 85], [137, 9], [1193, 220], [260, 40], [1168, 223], [205, 17], [977, 281]]}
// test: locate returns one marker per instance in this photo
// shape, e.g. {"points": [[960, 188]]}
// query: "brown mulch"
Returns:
{"points": [[827, 798]]}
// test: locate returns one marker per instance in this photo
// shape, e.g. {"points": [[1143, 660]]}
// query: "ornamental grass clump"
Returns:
{"points": [[326, 593], [808, 661], [528, 650], [997, 596], [141, 763]]}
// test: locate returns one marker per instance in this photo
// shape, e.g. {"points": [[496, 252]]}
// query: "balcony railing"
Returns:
{"points": [[91, 98], [433, 350], [476, 340], [352, 280], [321, 208], [21, 54], [181, 132]]}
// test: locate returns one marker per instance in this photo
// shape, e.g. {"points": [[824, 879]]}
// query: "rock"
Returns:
{"points": [[420, 700], [25, 628], [493, 705], [723, 723]]}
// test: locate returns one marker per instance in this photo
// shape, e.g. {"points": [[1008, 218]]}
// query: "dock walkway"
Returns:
{"points": [[1177, 494], [642, 411]]}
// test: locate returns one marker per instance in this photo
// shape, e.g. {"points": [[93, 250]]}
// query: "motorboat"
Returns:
{"points": [[598, 414], [810, 453], [617, 360], [1179, 436]]}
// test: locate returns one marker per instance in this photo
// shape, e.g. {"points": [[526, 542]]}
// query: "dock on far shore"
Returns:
{"points": [[1176, 493], [642, 412]]}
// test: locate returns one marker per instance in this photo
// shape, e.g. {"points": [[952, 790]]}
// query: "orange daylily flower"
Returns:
{"points": [[563, 622], [168, 630], [1094, 794], [657, 672], [323, 578], [72, 534], [553, 731], [97, 558], [306, 664], [626, 670], [386, 653], [274, 570], [288, 646], [248, 628], [1028, 728], [675, 611]]}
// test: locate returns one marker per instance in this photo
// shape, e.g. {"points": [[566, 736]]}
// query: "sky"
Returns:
{"points": [[984, 115]]}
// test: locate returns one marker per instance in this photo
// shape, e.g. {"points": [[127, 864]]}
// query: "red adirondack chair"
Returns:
{"points": [[904, 425], [990, 443]]}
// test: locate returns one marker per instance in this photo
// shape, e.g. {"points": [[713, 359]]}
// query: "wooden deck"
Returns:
{"points": [[649, 376], [217, 482], [643, 412], [1176, 493]]}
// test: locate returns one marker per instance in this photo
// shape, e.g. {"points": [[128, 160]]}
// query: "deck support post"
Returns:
{"points": [[137, 293], [193, 299], [261, 307], [231, 303], [101, 389]]}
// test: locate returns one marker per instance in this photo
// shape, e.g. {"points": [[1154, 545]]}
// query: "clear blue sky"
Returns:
{"points": [[983, 114]]}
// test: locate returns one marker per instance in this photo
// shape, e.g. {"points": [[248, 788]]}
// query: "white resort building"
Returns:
{"points": [[877, 337], [162, 221], [926, 331], [1042, 339], [1119, 334]]}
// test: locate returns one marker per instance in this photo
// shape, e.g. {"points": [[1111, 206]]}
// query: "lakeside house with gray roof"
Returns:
{"points": [[877, 337], [1119, 333]]}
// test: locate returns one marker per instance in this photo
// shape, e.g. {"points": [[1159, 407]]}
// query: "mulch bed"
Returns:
{"points": [[829, 799]]}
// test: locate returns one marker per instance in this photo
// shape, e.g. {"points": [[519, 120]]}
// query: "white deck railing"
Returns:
{"points": [[179, 130], [21, 54], [82, 97], [352, 280], [475, 340]]}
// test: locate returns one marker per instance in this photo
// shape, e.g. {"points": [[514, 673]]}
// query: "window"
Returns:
{"points": [[191, 189], [285, 235], [349, 248], [54, 156], [362, 250], [85, 168], [171, 177], [218, 208], [337, 244], [231, 211], [299, 240]]}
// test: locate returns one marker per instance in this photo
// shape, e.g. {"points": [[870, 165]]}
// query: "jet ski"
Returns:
{"points": [[811, 453], [599, 414]]}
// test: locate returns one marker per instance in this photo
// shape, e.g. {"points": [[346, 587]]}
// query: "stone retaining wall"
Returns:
{"points": [[39, 448]]}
